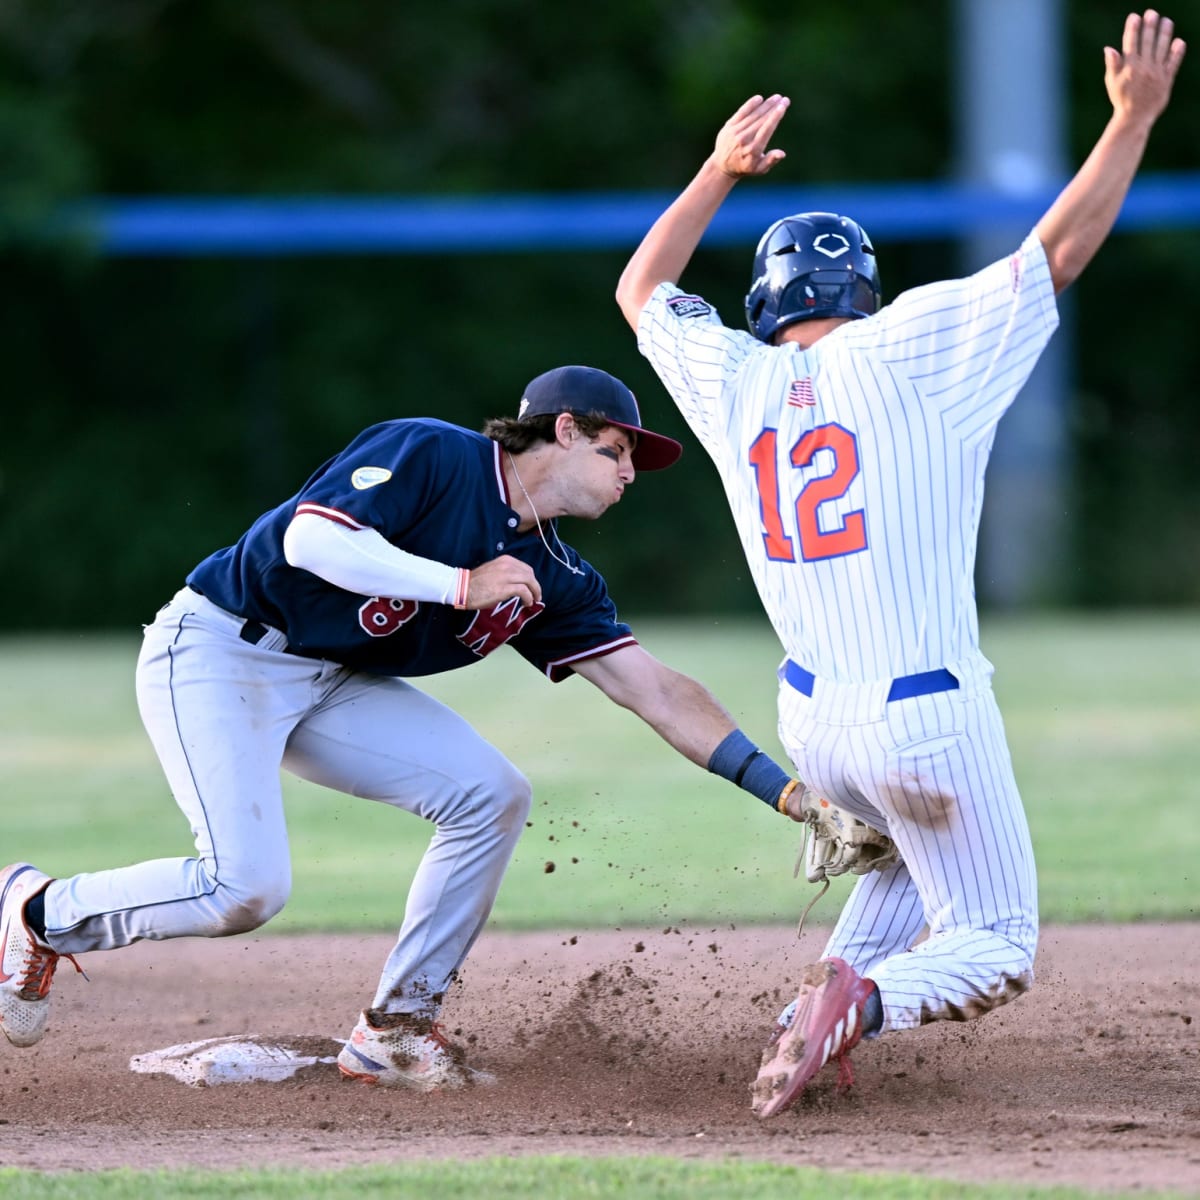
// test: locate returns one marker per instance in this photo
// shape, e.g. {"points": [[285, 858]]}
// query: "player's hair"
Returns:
{"points": [[518, 436]]}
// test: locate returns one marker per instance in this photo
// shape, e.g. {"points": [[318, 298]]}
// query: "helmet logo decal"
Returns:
{"points": [[832, 245]]}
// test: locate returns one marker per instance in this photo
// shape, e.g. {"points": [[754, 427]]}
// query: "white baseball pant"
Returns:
{"points": [[934, 772], [224, 715]]}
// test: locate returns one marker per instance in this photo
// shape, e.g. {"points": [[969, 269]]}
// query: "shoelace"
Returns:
{"points": [[845, 1079], [40, 965], [808, 832], [438, 1034]]}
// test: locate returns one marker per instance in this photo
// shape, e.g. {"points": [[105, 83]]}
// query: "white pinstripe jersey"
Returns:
{"points": [[855, 469]]}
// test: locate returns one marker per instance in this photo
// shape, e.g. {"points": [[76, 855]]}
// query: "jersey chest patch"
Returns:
{"points": [[689, 306]]}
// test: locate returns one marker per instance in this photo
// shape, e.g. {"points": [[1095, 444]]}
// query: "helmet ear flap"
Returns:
{"points": [[755, 303]]}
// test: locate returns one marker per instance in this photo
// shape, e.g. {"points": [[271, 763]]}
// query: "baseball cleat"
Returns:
{"points": [[411, 1052], [26, 966], [823, 1024]]}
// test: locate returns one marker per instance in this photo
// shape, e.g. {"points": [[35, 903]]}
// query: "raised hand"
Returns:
{"points": [[741, 147], [1140, 75]]}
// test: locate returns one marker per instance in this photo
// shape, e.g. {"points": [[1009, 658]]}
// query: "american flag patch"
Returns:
{"points": [[800, 394]]}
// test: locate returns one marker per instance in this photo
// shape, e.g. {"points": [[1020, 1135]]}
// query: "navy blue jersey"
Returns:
{"points": [[438, 491]]}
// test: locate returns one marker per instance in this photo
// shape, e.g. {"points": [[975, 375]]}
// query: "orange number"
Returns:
{"points": [[762, 459], [852, 536], [815, 543]]}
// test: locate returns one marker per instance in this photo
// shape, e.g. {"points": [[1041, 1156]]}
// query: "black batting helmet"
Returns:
{"points": [[811, 265]]}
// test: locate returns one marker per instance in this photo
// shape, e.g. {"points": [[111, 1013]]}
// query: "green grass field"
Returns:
{"points": [[1102, 714], [516, 1179]]}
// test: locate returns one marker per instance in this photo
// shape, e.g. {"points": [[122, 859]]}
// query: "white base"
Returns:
{"points": [[240, 1058]]}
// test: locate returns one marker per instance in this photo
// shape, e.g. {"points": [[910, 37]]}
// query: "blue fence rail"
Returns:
{"points": [[189, 226]]}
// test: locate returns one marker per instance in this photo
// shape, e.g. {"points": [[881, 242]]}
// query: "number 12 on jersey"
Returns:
{"points": [[815, 543]]}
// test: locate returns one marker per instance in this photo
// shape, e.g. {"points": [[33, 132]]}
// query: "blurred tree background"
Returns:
{"points": [[154, 406]]}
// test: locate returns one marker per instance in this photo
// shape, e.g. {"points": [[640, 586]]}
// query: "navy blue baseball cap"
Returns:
{"points": [[583, 390]]}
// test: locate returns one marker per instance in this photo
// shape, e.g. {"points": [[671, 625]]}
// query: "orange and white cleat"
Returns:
{"points": [[406, 1051], [27, 966]]}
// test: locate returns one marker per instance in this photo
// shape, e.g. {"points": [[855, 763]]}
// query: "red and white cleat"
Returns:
{"points": [[826, 1023]]}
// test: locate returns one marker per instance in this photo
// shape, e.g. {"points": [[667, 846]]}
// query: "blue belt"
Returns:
{"points": [[923, 683]]}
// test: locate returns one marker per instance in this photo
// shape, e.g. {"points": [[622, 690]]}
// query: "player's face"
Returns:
{"points": [[603, 468]]}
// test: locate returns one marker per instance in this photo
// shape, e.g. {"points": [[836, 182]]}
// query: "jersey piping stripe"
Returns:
{"points": [[330, 514], [501, 482], [594, 652], [213, 873]]}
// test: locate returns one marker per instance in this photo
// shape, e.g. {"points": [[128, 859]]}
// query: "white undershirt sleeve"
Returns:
{"points": [[363, 561]]}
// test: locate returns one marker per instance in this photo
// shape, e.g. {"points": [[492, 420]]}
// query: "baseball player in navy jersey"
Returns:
{"points": [[852, 440], [419, 548]]}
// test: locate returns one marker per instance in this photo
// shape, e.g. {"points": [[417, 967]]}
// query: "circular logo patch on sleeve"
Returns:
{"points": [[369, 477]]}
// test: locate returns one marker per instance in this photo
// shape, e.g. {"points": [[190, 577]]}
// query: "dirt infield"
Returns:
{"points": [[628, 1042]]}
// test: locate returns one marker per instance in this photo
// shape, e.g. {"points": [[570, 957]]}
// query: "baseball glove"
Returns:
{"points": [[835, 843]]}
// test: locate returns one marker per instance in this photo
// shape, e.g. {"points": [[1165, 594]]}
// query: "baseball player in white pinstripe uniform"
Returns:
{"points": [[852, 441]]}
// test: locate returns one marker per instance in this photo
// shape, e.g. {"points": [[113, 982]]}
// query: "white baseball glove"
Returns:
{"points": [[835, 842]]}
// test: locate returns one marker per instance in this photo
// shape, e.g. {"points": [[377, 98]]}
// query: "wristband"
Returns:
{"points": [[740, 761], [460, 589]]}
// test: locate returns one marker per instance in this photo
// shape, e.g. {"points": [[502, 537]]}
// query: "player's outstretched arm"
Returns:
{"points": [[1139, 78], [686, 715], [740, 150]]}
